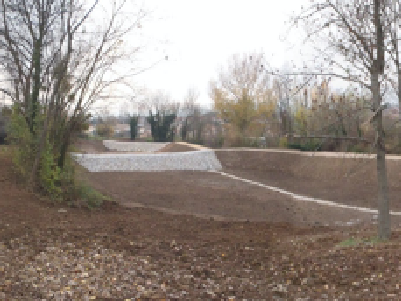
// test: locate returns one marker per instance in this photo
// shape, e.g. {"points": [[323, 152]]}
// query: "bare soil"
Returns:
{"points": [[174, 147], [200, 245], [90, 146], [349, 181]]}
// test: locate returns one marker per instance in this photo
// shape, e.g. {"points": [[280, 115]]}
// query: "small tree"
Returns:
{"points": [[242, 95], [104, 130], [354, 36], [184, 130], [161, 126], [57, 60], [133, 123]]}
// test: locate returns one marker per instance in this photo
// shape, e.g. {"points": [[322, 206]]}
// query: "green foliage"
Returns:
{"points": [[6, 111], [105, 130], [50, 173], [90, 196], [133, 123], [357, 149], [21, 136], [50, 179], [310, 146], [83, 127], [184, 130], [161, 126], [301, 121], [4, 123], [283, 142], [90, 137]]}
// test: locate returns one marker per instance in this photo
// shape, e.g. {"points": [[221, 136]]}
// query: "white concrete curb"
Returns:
{"points": [[299, 197]]}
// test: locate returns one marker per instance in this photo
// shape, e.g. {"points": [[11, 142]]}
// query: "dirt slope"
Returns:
{"points": [[174, 147], [117, 253], [337, 179]]}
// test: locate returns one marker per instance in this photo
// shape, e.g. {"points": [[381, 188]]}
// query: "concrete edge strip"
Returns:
{"points": [[304, 198]]}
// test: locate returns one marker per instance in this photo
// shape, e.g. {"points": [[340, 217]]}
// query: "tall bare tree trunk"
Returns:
{"points": [[384, 222], [36, 163]]}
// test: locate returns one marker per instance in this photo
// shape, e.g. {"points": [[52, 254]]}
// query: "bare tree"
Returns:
{"points": [[354, 33], [59, 60], [194, 123], [392, 18]]}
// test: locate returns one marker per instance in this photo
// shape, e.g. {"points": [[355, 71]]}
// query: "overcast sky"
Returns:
{"points": [[200, 36]]}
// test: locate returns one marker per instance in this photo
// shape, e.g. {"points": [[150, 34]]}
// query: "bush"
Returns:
{"points": [[283, 142], [357, 149], [21, 137], [105, 130], [307, 147], [50, 173], [89, 197]]}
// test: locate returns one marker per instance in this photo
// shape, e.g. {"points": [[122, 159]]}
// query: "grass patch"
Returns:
{"points": [[92, 137], [90, 197], [86, 194], [74, 149], [353, 242], [5, 150]]}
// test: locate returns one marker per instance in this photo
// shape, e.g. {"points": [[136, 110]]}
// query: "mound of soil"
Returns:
{"points": [[173, 147]]}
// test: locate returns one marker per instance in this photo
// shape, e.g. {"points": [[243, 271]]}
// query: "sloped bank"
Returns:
{"points": [[349, 179], [201, 160]]}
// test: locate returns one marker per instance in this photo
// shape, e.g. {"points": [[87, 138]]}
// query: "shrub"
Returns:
{"points": [[105, 130], [307, 147], [49, 173], [283, 142], [133, 127], [89, 197], [22, 138]]}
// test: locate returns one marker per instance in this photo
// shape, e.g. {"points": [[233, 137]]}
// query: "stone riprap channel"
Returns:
{"points": [[200, 160]]}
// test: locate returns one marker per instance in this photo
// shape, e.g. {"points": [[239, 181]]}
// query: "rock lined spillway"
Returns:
{"points": [[200, 160]]}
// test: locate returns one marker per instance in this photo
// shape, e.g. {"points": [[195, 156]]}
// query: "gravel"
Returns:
{"points": [[201, 160], [204, 160]]}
